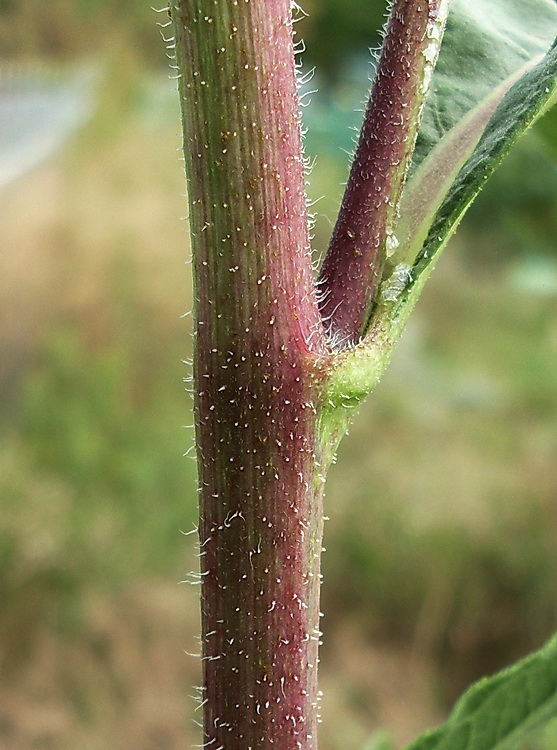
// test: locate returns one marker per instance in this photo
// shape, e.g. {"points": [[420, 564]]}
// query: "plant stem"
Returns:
{"points": [[364, 233], [266, 408], [259, 342]]}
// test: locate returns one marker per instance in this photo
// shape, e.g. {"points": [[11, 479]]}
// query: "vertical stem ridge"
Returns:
{"points": [[364, 233]]}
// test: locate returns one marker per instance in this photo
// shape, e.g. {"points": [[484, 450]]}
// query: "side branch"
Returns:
{"points": [[364, 233]]}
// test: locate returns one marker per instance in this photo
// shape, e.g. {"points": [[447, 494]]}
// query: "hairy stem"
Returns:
{"points": [[364, 233], [259, 345], [265, 411]]}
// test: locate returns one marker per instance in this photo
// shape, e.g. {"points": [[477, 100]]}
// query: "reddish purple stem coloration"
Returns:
{"points": [[353, 266], [262, 349]]}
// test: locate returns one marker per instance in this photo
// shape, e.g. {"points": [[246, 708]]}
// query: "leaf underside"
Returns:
{"points": [[485, 43], [516, 113], [500, 711], [486, 113]]}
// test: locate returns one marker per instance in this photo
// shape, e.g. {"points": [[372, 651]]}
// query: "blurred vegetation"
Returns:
{"points": [[442, 543], [64, 29], [334, 30]]}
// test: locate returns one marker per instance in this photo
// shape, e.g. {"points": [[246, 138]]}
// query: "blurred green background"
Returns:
{"points": [[441, 559]]}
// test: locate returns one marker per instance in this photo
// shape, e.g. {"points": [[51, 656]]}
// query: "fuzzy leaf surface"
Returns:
{"points": [[488, 46], [526, 100], [486, 42], [499, 712], [519, 109], [531, 94]]}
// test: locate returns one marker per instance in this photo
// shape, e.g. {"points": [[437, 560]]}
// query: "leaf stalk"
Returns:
{"points": [[364, 234]]}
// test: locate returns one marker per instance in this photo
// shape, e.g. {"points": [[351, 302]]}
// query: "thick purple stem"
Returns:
{"points": [[262, 356], [364, 233], [259, 342]]}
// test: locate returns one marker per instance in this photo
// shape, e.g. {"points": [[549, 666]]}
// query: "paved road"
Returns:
{"points": [[38, 112]]}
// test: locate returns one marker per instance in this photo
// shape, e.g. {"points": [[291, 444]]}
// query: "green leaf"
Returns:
{"points": [[524, 102], [500, 711], [519, 109], [486, 42], [488, 46]]}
